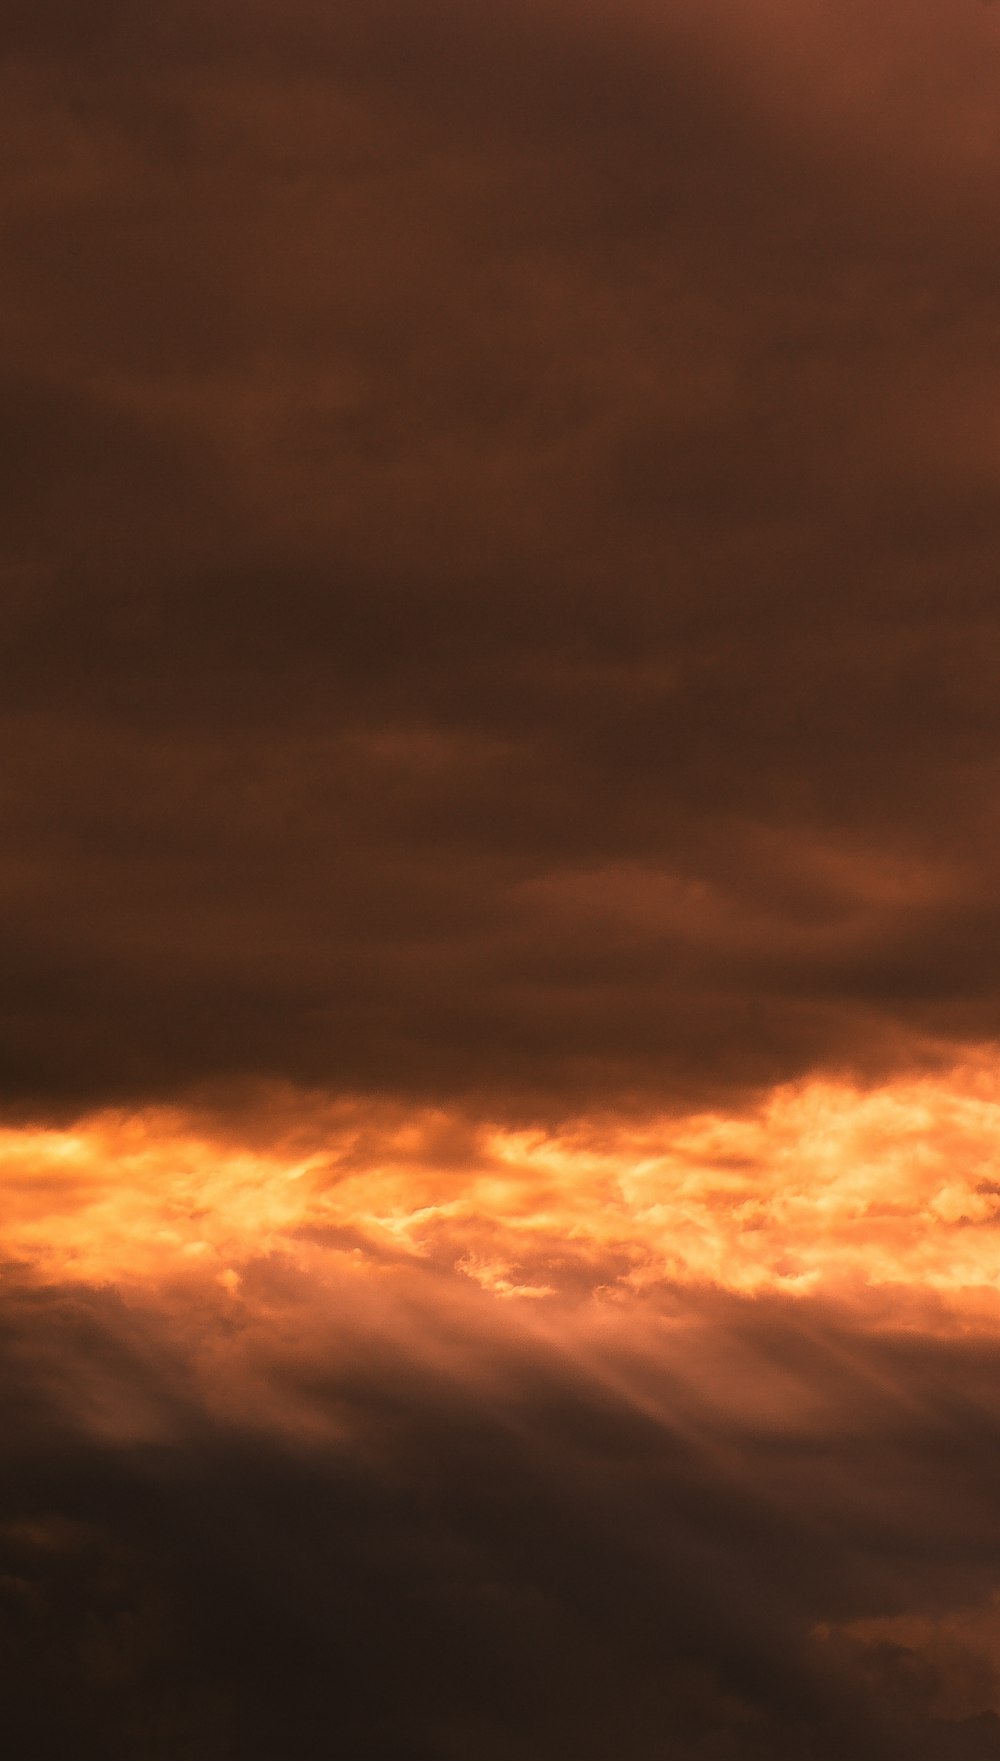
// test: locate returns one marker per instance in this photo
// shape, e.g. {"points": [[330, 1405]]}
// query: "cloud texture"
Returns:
{"points": [[409, 1529], [498, 533], [499, 523]]}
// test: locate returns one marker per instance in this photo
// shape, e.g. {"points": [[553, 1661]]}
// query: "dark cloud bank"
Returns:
{"points": [[499, 513], [517, 1553], [499, 518]]}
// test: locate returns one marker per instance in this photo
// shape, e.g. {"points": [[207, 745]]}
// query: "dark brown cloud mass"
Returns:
{"points": [[498, 564], [499, 546], [511, 1549]]}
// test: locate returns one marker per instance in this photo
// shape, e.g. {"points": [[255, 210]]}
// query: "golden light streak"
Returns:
{"points": [[825, 1188]]}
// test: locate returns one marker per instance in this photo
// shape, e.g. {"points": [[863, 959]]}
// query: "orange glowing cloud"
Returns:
{"points": [[824, 1190]]}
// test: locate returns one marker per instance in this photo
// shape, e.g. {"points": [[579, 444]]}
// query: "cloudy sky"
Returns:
{"points": [[500, 1108]]}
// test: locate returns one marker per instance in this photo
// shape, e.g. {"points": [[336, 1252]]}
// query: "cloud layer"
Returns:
{"points": [[888, 1196], [497, 886], [397, 1524], [499, 522]]}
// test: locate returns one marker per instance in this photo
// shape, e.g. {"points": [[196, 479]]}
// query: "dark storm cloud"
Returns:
{"points": [[499, 547], [468, 1542]]}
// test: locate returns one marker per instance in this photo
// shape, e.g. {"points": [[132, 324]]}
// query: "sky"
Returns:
{"points": [[499, 1078]]}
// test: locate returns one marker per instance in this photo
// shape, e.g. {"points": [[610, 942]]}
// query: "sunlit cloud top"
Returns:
{"points": [[823, 1189]]}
